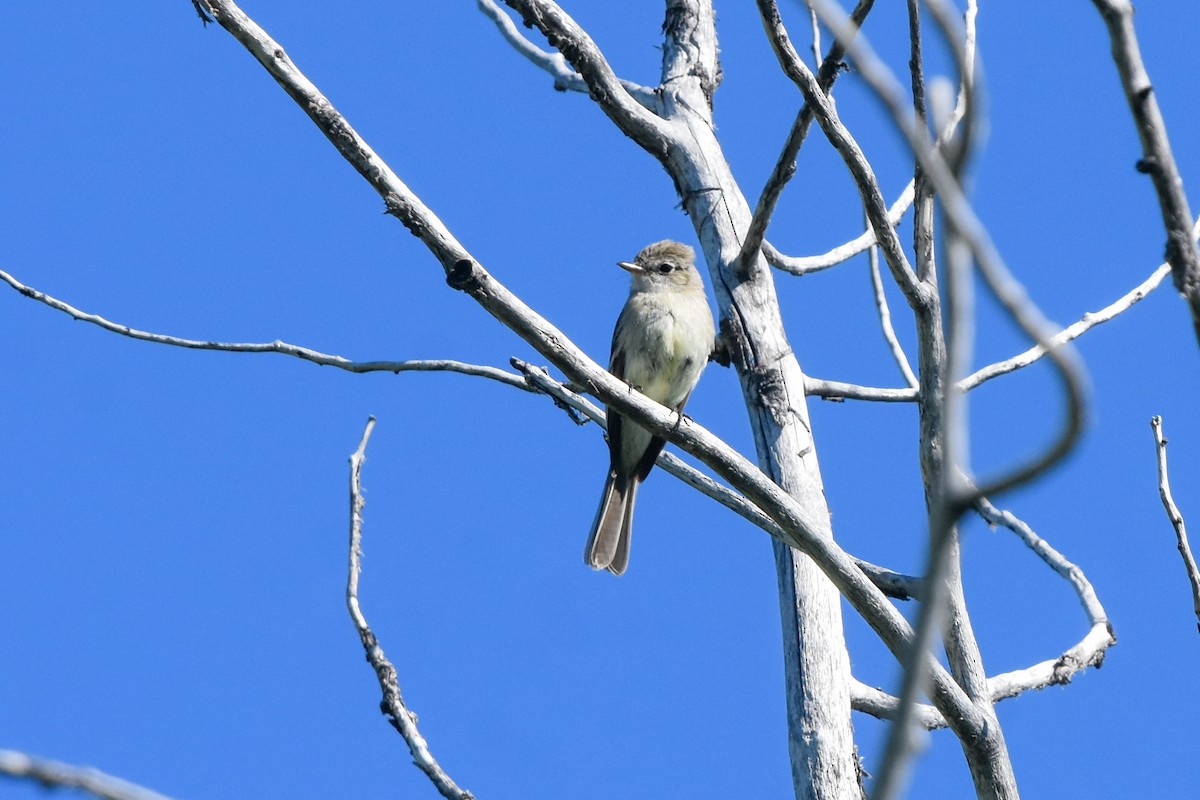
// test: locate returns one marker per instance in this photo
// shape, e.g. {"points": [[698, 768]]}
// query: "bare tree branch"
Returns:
{"points": [[392, 705], [57, 775], [1157, 159], [893, 584], [836, 390], [802, 265], [1175, 515], [804, 531], [959, 213], [1089, 320], [885, 321], [842, 141], [944, 350], [1088, 652], [277, 346], [883, 705], [642, 125], [565, 78], [785, 166]]}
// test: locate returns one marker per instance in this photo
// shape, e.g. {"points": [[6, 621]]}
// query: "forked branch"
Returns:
{"points": [[565, 78]]}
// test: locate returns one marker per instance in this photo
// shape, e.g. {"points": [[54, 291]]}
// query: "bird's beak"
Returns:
{"points": [[630, 266]]}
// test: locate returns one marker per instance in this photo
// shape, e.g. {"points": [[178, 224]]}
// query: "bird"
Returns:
{"points": [[661, 344]]}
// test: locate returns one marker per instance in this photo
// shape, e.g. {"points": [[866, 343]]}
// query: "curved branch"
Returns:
{"points": [[1091, 649], [1088, 652], [565, 78], [802, 265]]}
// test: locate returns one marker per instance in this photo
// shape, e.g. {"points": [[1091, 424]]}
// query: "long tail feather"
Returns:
{"points": [[620, 558], [608, 543]]}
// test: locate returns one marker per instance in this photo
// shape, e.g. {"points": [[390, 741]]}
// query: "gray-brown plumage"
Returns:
{"points": [[660, 346]]}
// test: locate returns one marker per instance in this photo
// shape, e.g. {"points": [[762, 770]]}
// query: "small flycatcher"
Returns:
{"points": [[661, 344]]}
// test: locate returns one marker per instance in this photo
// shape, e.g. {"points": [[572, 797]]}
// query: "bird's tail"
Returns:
{"points": [[608, 545]]}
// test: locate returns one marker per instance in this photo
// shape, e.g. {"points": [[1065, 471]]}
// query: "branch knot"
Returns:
{"points": [[464, 277]]}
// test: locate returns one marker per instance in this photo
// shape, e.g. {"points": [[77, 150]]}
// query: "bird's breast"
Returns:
{"points": [[670, 352]]}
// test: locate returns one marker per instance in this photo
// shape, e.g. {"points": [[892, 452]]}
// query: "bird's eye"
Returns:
{"points": [[664, 268]]}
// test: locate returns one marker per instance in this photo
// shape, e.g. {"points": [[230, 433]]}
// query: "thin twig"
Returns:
{"points": [[885, 321], [277, 346], [392, 705], [565, 78], [802, 265], [1070, 333], [1050, 556], [57, 775], [1157, 159], [1175, 515]]}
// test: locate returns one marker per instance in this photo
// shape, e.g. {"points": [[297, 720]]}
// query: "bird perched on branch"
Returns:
{"points": [[660, 346]]}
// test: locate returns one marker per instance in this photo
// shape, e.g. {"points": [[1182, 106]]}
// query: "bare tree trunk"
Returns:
{"points": [[987, 755], [817, 665]]}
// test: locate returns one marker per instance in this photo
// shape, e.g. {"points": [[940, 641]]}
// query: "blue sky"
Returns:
{"points": [[174, 522]]}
